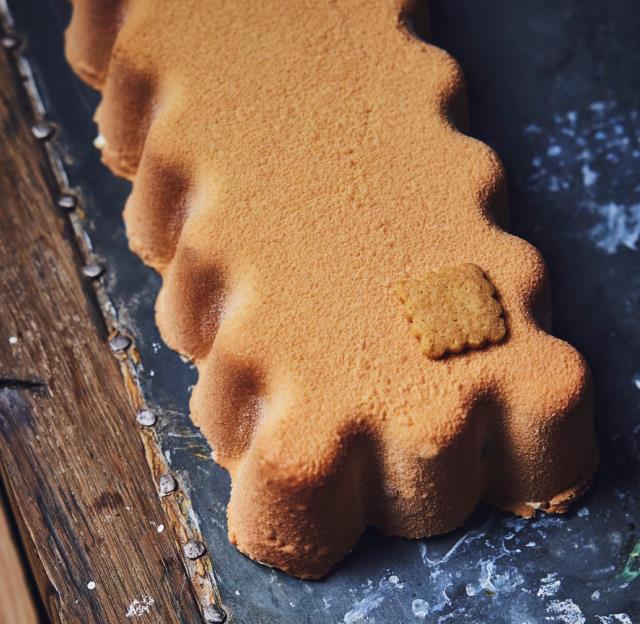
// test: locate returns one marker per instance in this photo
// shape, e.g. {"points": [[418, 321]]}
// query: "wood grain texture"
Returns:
{"points": [[16, 605], [71, 457]]}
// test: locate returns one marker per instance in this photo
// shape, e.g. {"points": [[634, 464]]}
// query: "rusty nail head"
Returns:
{"points": [[10, 42], [194, 549], [93, 270], [167, 484], [120, 342], [215, 614], [67, 201], [147, 418], [43, 130]]}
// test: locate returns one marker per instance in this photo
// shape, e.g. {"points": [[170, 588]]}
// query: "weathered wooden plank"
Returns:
{"points": [[17, 604], [70, 454]]}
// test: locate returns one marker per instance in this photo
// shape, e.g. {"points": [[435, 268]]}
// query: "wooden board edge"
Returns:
{"points": [[176, 505]]}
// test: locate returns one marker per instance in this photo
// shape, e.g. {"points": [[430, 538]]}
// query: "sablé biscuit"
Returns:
{"points": [[452, 310], [292, 162]]}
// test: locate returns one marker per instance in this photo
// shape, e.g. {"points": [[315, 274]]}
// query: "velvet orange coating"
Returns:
{"points": [[291, 163]]}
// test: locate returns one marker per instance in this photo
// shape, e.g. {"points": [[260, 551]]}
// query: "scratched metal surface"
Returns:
{"points": [[553, 88]]}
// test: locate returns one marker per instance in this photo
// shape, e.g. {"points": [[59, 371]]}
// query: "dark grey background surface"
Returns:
{"points": [[553, 88]]}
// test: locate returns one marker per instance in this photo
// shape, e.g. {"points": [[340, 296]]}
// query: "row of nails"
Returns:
{"points": [[68, 202], [167, 484], [10, 41], [43, 131], [193, 549]]}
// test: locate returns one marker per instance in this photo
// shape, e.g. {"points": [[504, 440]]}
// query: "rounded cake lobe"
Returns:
{"points": [[285, 178], [90, 37]]}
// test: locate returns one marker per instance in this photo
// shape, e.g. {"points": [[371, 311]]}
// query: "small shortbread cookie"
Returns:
{"points": [[452, 310]]}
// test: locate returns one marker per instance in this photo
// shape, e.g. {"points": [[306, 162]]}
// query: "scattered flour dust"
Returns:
{"points": [[140, 606], [593, 154], [549, 585], [564, 612], [395, 581], [372, 598], [507, 580], [614, 618]]}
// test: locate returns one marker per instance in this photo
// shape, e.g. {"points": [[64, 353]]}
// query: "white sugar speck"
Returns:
{"points": [[495, 578], [549, 585], [13, 339], [160, 528], [99, 142], [589, 176], [619, 226], [564, 612], [140, 607], [615, 618], [395, 581], [372, 598], [91, 585], [420, 608]]}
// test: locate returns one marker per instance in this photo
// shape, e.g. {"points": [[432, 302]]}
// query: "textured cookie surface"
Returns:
{"points": [[291, 163], [452, 309]]}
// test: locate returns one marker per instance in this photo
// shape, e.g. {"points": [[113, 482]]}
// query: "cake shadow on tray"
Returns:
{"points": [[492, 567]]}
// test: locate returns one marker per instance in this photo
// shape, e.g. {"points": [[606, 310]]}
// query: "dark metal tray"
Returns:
{"points": [[553, 89]]}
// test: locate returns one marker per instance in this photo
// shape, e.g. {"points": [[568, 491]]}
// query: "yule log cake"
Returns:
{"points": [[371, 345]]}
